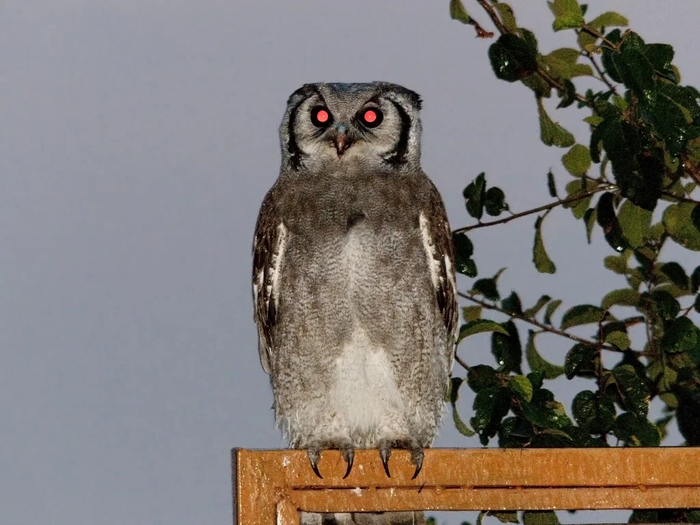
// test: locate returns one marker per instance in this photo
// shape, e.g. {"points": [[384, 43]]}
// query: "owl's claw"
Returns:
{"points": [[313, 459], [349, 457], [409, 444], [384, 453], [417, 459]]}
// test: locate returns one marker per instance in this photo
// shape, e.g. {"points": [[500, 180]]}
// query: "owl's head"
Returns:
{"points": [[328, 126]]}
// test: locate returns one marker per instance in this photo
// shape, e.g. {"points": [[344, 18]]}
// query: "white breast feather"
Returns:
{"points": [[275, 265], [430, 251]]}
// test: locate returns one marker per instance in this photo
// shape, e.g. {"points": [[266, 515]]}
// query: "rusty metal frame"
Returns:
{"points": [[272, 486]]}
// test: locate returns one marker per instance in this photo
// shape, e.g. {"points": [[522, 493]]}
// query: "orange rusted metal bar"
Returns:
{"points": [[271, 485]]}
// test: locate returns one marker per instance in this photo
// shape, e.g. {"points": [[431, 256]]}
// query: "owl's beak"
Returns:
{"points": [[342, 141]]}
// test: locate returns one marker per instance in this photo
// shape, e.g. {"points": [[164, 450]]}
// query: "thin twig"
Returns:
{"points": [[691, 169], [679, 198], [494, 16], [601, 73], [540, 325], [593, 32], [549, 206], [462, 363]]}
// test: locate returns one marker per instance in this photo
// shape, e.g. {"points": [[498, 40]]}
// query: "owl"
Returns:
{"points": [[354, 276]]}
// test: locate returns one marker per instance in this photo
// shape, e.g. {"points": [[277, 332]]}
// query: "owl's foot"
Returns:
{"points": [[314, 454], [409, 444]]}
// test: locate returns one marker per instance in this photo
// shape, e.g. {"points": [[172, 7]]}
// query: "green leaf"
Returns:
{"points": [[534, 310], [479, 326], [521, 385], [664, 303], [582, 361], [634, 393], [636, 72], [577, 160], [480, 377], [563, 63], [577, 189], [538, 363], [678, 223], [551, 133], [676, 274], [661, 56], [512, 304], [638, 172], [512, 58], [621, 297], [609, 19], [487, 288], [688, 417], [495, 201], [593, 413], [549, 311], [670, 113], [617, 263], [507, 17], [551, 186], [490, 406], [474, 195], [505, 517], [471, 313], [543, 411], [582, 314], [458, 12], [507, 349], [620, 339], [539, 255], [461, 426], [567, 14], [634, 222], [695, 280], [609, 223], [464, 249], [637, 431], [540, 517], [680, 335], [590, 218], [567, 95]]}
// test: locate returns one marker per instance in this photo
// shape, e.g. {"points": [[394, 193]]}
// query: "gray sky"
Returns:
{"points": [[137, 141]]}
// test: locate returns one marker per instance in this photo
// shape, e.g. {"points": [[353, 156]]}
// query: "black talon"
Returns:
{"points": [[418, 461], [313, 459], [349, 456], [384, 453]]}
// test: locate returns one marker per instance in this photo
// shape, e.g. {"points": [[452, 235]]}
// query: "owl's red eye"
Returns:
{"points": [[372, 117], [320, 117]]}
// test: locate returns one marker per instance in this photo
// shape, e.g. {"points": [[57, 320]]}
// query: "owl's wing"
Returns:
{"points": [[437, 240], [268, 250]]}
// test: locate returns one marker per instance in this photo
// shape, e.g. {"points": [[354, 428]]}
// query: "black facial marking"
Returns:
{"points": [[293, 149], [354, 218], [396, 157]]}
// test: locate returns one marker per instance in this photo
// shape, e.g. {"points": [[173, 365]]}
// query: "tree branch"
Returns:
{"points": [[540, 325], [493, 16], [601, 73], [593, 32], [545, 207], [462, 363]]}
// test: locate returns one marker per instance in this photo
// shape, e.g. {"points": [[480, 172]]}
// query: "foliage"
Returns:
{"points": [[642, 156]]}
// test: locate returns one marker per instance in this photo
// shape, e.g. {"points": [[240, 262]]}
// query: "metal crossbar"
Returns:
{"points": [[272, 486]]}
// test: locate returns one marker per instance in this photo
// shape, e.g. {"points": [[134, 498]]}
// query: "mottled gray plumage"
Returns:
{"points": [[353, 276]]}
